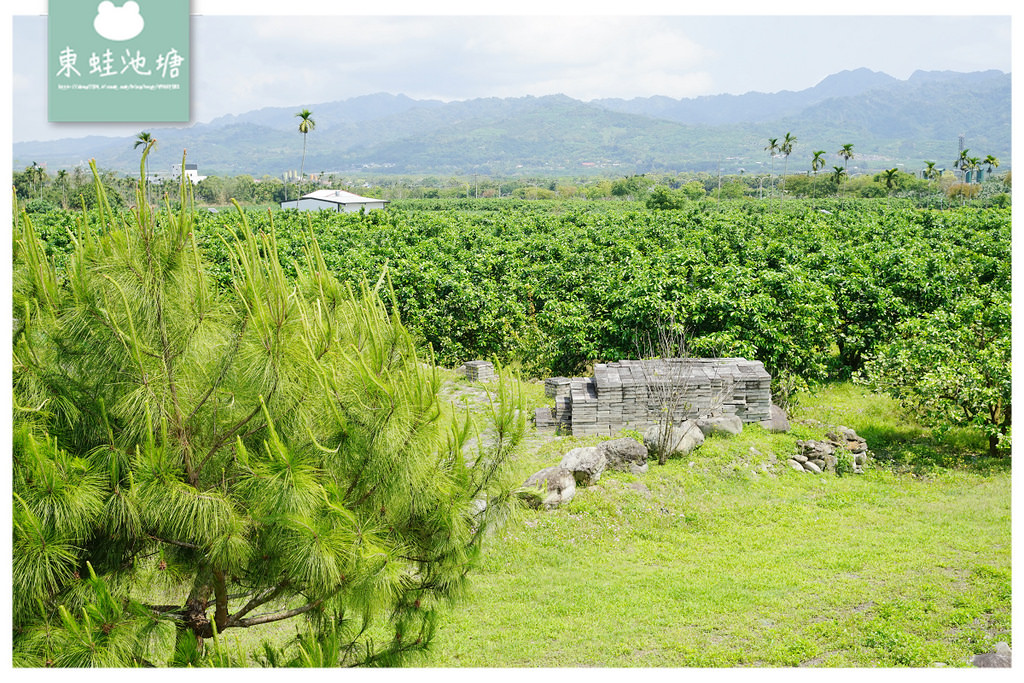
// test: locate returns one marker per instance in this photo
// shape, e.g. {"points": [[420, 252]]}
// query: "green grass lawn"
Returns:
{"points": [[709, 561]]}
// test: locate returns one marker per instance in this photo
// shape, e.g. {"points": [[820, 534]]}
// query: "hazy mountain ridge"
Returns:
{"points": [[887, 119]]}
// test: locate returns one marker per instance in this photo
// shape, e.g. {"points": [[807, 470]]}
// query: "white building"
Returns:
{"points": [[334, 200], [191, 172]]}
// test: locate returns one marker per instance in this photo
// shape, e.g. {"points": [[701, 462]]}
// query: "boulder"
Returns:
{"points": [[679, 440], [811, 467], [624, 455], [830, 462], [549, 488], [586, 464], [730, 425], [992, 660], [778, 421]]}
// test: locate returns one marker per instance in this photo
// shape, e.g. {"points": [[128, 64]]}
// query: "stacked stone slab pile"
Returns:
{"points": [[581, 410], [823, 456], [634, 394], [559, 389], [544, 418], [479, 371]]}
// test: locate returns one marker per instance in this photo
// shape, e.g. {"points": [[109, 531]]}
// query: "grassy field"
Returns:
{"points": [[712, 561]]}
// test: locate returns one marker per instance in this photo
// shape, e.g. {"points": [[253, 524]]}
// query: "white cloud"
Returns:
{"points": [[282, 60], [118, 23]]}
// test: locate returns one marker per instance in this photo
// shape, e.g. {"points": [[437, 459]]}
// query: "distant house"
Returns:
{"points": [[334, 200], [191, 172]]}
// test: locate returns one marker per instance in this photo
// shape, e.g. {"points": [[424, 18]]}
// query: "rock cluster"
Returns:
{"points": [[634, 394], [554, 486], [824, 456]]}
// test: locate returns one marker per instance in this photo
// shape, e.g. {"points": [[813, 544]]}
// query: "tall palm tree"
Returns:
{"points": [[930, 172], [838, 173], [991, 162], [846, 153], [772, 148], [36, 176], [786, 148], [889, 176], [973, 164], [62, 182], [818, 161], [961, 162], [147, 142], [305, 125]]}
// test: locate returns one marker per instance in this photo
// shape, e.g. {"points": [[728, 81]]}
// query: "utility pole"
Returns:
{"points": [[960, 154]]}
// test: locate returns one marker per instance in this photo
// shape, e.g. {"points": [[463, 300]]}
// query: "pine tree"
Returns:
{"points": [[189, 461]]}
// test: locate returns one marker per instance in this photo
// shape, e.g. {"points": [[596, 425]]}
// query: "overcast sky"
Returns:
{"points": [[241, 63]]}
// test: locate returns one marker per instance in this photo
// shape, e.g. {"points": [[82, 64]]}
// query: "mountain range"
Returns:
{"points": [[891, 122]]}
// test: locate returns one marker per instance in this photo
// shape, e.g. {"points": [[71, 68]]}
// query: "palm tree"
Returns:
{"points": [[147, 142], [838, 173], [772, 148], [305, 125], [846, 153], [991, 162], [818, 161], [62, 182], [961, 162], [973, 164], [930, 172], [889, 176], [786, 148], [36, 176]]}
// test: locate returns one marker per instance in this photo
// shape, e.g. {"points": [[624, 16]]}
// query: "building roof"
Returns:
{"points": [[340, 197]]}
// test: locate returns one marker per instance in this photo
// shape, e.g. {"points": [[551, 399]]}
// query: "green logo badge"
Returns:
{"points": [[119, 61]]}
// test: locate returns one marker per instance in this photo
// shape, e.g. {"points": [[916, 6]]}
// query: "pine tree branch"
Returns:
{"points": [[225, 365], [266, 597], [180, 544], [168, 356], [164, 609], [276, 616], [231, 432]]}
